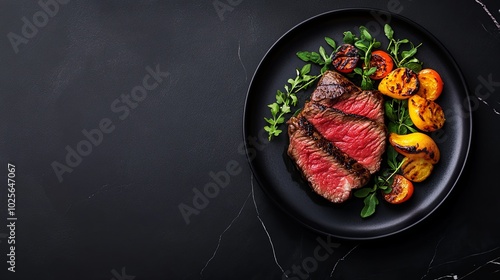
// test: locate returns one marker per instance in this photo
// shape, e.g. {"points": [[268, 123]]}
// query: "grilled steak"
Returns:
{"points": [[336, 91], [357, 136], [338, 138], [330, 172]]}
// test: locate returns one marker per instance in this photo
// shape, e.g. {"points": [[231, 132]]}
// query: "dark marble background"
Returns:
{"points": [[114, 213]]}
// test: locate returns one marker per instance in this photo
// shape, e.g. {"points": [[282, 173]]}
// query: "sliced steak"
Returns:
{"points": [[330, 172], [357, 136], [336, 91]]}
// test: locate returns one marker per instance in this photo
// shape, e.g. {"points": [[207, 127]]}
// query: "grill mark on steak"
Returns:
{"points": [[336, 91], [330, 172], [359, 137]]}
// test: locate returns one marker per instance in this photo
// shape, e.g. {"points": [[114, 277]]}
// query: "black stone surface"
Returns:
{"points": [[68, 71]]}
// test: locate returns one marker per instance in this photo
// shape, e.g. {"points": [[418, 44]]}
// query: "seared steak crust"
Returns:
{"points": [[336, 91]]}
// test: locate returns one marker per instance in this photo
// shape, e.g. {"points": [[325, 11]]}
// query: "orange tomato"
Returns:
{"points": [[431, 84], [402, 190], [383, 62]]}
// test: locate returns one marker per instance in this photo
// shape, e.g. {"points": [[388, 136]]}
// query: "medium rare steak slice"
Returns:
{"points": [[336, 91], [330, 172], [359, 137]]}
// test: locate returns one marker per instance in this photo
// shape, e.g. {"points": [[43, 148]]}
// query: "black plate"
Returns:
{"points": [[275, 172]]}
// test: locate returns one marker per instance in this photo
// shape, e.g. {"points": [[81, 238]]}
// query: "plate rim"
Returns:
{"points": [[468, 108]]}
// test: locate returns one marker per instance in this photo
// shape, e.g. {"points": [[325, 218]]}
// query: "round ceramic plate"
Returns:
{"points": [[276, 173]]}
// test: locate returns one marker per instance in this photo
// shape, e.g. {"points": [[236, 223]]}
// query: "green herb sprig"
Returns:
{"points": [[402, 58], [320, 58], [285, 100], [398, 117]]}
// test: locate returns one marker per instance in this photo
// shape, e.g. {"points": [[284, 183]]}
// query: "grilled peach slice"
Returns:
{"points": [[401, 83], [415, 145], [427, 115], [416, 169]]}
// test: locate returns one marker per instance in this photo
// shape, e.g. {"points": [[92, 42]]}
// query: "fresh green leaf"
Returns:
{"points": [[389, 111], [349, 37], [370, 71], [366, 83], [305, 69], [331, 42], [389, 33], [297, 112], [408, 121], [316, 58], [362, 45], [391, 164], [324, 68], [364, 34], [274, 108], [269, 121], [414, 66], [322, 52], [405, 55], [294, 99], [391, 154], [392, 127], [280, 97], [305, 56], [285, 109], [403, 130], [362, 192], [370, 203]]}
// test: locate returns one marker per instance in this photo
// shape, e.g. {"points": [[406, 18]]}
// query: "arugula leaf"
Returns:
{"points": [[371, 203], [363, 192], [310, 57], [349, 38], [331, 42], [389, 33]]}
